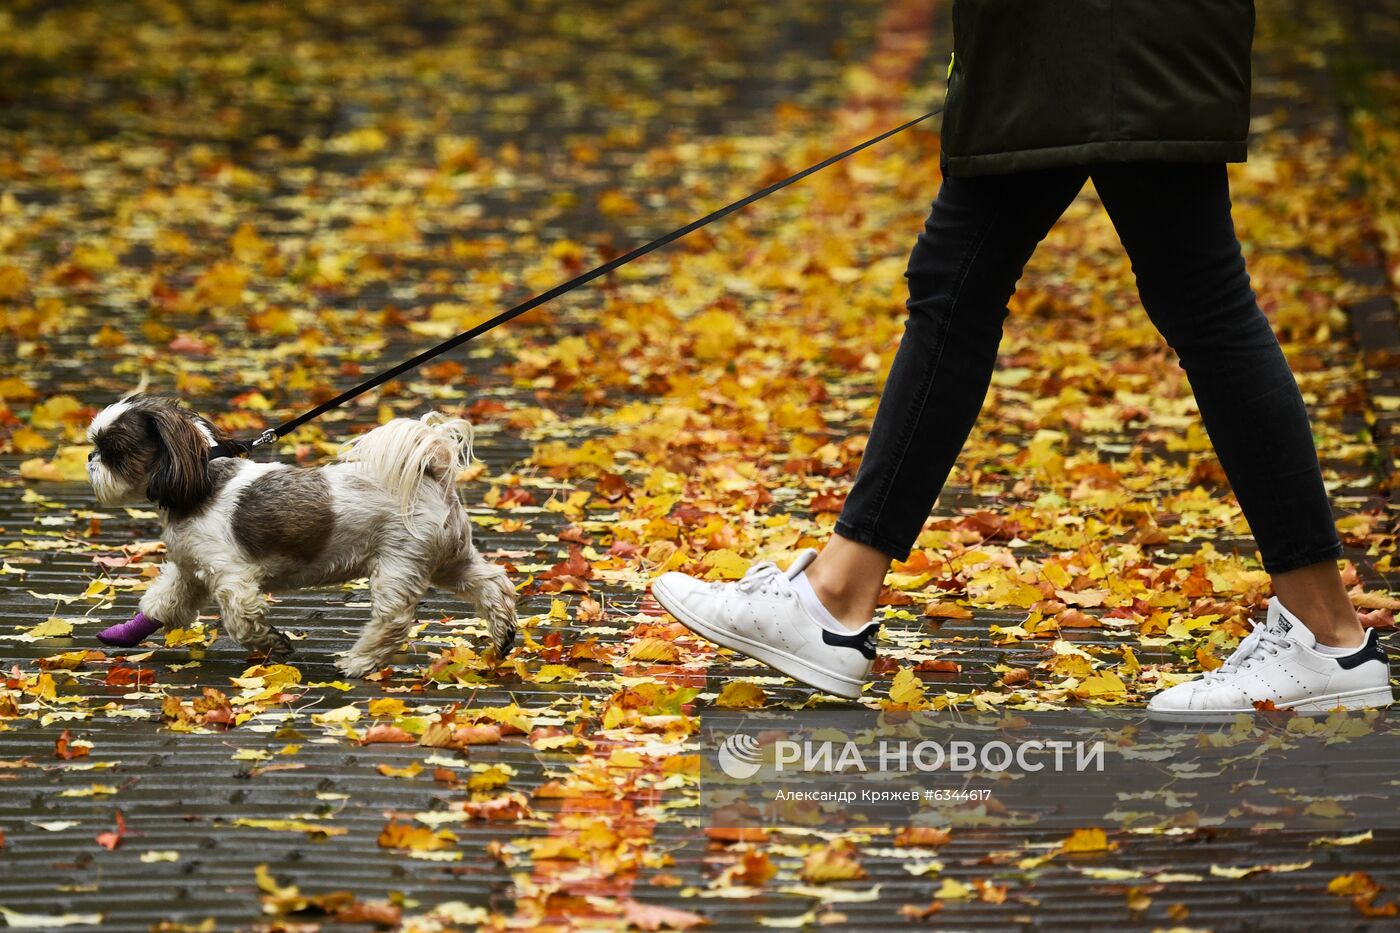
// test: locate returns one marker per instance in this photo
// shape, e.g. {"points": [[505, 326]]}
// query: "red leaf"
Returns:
{"points": [[482, 410], [575, 535], [576, 566], [111, 840], [517, 495], [130, 677]]}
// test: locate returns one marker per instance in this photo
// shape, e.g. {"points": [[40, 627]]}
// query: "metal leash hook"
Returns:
{"points": [[234, 448]]}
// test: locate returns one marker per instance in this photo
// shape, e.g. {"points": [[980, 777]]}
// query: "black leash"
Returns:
{"points": [[237, 448]]}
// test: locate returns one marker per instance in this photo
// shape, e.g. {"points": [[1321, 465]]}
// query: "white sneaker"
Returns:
{"points": [[762, 616], [1279, 661]]}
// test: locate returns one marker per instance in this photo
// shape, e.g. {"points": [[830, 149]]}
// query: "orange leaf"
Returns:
{"points": [[938, 610], [488, 734], [396, 835], [836, 862], [385, 733], [61, 748], [1015, 676], [732, 833], [940, 666], [1358, 883], [922, 836], [506, 808], [130, 677], [914, 912], [1074, 618]]}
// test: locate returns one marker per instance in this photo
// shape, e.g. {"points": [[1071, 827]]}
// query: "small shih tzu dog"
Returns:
{"points": [[387, 509]]}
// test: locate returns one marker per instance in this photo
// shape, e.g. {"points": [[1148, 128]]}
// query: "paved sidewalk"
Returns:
{"points": [[288, 789]]}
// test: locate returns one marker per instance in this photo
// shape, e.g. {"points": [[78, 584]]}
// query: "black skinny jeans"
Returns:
{"points": [[1174, 221]]}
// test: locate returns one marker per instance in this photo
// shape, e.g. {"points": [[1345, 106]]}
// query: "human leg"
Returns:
{"points": [[1309, 654], [1174, 221], [812, 621], [962, 271]]}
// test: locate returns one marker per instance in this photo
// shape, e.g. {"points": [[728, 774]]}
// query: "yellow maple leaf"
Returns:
{"points": [[1356, 884], [402, 835], [69, 465], [413, 769], [1101, 683], [555, 673], [27, 441], [341, 714], [953, 890], [53, 412], [1088, 840], [907, 689], [835, 862], [741, 694], [654, 649], [290, 826], [16, 389], [725, 564], [387, 707], [52, 628]]}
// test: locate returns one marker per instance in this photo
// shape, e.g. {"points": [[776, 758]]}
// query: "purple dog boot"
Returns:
{"points": [[128, 634]]}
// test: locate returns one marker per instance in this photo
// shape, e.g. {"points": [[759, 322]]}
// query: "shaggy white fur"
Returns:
{"points": [[387, 509]]}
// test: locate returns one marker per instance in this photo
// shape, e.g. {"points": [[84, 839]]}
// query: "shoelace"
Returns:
{"points": [[1262, 640], [760, 576]]}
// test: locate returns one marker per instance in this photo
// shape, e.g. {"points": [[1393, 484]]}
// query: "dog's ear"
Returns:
{"points": [[179, 478]]}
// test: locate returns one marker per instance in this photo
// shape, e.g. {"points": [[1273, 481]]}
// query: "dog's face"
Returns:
{"points": [[147, 448]]}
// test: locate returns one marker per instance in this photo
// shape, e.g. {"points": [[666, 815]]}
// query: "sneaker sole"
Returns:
{"points": [[797, 668], [1372, 698]]}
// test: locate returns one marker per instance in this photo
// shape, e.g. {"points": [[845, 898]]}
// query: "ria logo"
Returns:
{"points": [[739, 756]]}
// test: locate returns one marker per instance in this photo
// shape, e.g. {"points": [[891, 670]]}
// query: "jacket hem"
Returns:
{"points": [[1097, 153]]}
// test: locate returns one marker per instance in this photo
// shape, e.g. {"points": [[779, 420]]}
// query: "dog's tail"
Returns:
{"points": [[404, 454]]}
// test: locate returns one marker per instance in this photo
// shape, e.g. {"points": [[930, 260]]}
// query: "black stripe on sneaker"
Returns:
{"points": [[1370, 651], [863, 641]]}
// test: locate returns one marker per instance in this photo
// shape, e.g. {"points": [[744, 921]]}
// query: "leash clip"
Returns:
{"points": [[267, 437]]}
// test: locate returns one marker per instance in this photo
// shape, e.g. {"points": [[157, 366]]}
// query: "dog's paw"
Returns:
{"points": [[272, 645], [282, 646], [354, 665], [502, 638]]}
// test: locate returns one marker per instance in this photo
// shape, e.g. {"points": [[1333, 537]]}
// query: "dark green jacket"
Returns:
{"points": [[1047, 83]]}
